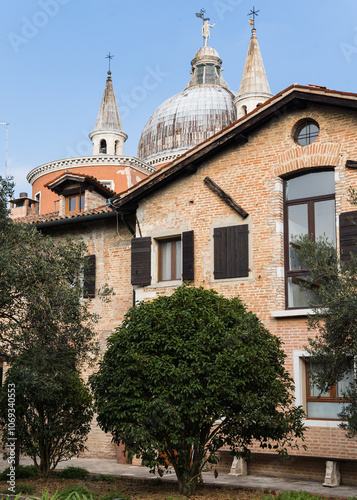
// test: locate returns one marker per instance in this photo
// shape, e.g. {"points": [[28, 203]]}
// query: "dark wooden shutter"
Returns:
{"points": [[1, 375], [141, 261], [89, 277], [187, 256], [231, 252], [220, 252], [348, 235]]}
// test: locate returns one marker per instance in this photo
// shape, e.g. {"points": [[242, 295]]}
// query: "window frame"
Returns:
{"points": [[332, 398], [78, 198], [311, 230], [310, 136], [173, 258]]}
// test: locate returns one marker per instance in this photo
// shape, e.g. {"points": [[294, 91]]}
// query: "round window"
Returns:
{"points": [[307, 132]]}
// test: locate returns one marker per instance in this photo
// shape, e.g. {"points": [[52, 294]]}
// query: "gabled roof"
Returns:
{"points": [[59, 183], [295, 95], [53, 218]]}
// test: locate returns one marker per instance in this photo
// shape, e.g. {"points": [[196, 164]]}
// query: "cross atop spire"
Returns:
{"points": [[253, 13], [110, 57]]}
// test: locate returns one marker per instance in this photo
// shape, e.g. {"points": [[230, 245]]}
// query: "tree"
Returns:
{"points": [[186, 374], [46, 335], [335, 319], [53, 411]]}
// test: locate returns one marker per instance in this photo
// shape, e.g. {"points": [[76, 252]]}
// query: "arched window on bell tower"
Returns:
{"points": [[103, 147]]}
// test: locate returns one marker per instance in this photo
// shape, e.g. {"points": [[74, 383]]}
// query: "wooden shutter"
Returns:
{"points": [[231, 252], [89, 277], [141, 261], [187, 256], [348, 235]]}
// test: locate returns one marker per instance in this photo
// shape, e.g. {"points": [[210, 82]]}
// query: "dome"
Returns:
{"points": [[204, 108], [185, 120]]}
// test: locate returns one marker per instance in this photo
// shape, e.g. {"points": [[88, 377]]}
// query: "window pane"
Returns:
{"points": [[310, 185], [166, 261], [178, 259], [297, 226], [72, 204], [313, 388], [297, 295], [199, 77], [343, 385], [325, 220], [210, 76], [316, 409]]}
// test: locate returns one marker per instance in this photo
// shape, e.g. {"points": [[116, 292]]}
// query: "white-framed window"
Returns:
{"points": [[319, 406]]}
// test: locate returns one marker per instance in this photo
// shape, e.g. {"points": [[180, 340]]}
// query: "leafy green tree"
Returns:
{"points": [[46, 335], [335, 319], [186, 374], [53, 412]]}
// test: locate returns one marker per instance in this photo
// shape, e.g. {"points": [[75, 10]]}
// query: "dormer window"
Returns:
{"points": [[75, 203], [103, 147]]}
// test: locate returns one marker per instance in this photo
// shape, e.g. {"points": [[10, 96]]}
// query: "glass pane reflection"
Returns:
{"points": [[310, 185]]}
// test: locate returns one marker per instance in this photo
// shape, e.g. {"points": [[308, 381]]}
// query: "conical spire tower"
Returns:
{"points": [[108, 136], [254, 88]]}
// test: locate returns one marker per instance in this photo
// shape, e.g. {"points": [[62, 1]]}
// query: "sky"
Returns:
{"points": [[54, 65]]}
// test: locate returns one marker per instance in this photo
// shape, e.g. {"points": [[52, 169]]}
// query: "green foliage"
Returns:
{"points": [[76, 492], [46, 334], [292, 495], [180, 364], [73, 473], [45, 496], [8, 498], [114, 495], [56, 411], [334, 319], [104, 477], [22, 472]]}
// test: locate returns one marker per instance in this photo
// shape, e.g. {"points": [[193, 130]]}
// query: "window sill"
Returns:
{"points": [[291, 313], [332, 424]]}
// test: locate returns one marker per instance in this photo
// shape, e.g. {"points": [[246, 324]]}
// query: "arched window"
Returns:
{"points": [[309, 205], [103, 147], [116, 148], [244, 110]]}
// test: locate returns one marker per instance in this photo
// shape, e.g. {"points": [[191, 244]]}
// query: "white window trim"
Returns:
{"points": [[108, 183], [300, 391], [39, 200]]}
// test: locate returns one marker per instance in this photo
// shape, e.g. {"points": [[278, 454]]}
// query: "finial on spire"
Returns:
{"points": [[110, 57], [253, 13], [206, 26]]}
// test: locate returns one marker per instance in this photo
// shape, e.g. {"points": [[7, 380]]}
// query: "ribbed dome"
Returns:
{"points": [[185, 120]]}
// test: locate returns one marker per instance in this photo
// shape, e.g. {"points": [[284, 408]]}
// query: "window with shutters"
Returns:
{"points": [[89, 277], [309, 209], [170, 260], [231, 252], [1, 373], [175, 259]]}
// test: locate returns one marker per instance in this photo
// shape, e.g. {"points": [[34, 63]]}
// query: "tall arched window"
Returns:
{"points": [[309, 205], [103, 147]]}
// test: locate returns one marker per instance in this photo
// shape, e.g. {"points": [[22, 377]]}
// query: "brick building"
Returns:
{"points": [[225, 214]]}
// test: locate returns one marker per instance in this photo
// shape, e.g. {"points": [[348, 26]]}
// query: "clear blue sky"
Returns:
{"points": [[53, 66]]}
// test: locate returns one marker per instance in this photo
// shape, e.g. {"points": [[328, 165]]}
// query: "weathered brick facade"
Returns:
{"points": [[248, 161]]}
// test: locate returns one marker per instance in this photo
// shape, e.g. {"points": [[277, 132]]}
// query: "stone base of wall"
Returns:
{"points": [[308, 468]]}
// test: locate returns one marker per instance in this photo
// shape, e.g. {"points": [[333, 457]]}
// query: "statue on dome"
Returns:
{"points": [[205, 30]]}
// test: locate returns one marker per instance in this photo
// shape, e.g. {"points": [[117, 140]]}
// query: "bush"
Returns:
{"points": [[73, 473], [22, 472], [104, 477], [75, 493]]}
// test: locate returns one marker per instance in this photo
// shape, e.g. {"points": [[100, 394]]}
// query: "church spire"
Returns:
{"points": [[254, 88], [108, 136]]}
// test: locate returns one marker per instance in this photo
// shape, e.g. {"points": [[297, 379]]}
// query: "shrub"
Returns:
{"points": [[104, 477], [292, 495], [73, 473], [22, 472], [114, 495], [75, 493]]}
